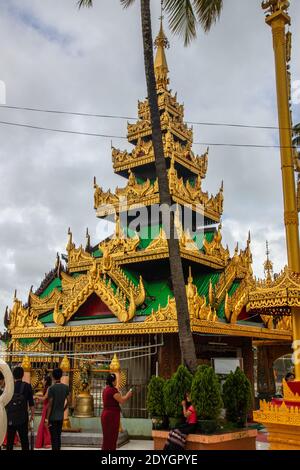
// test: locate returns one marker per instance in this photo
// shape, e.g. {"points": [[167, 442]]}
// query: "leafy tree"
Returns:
{"points": [[206, 393], [237, 396], [175, 390], [155, 397]]}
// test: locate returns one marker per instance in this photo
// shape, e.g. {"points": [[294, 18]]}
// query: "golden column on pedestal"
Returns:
{"points": [[278, 18], [65, 367]]}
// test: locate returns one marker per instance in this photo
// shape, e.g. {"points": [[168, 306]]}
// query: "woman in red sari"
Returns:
{"points": [[110, 417], [43, 438]]}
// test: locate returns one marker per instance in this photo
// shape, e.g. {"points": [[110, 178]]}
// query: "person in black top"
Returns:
{"points": [[17, 411], [59, 400]]}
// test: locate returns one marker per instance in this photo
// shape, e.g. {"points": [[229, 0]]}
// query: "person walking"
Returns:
{"points": [[110, 417], [58, 401], [17, 411], [43, 437]]}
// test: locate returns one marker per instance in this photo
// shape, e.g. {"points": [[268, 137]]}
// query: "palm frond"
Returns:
{"points": [[85, 3], [182, 19], [207, 12], [126, 3]]}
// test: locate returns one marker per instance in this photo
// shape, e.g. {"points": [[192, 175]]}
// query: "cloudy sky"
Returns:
{"points": [[54, 57]]}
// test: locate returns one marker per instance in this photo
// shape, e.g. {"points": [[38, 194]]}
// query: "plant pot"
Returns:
{"points": [[207, 426], [175, 422], [157, 422]]}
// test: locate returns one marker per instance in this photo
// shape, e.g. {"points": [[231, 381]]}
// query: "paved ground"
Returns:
{"points": [[148, 445]]}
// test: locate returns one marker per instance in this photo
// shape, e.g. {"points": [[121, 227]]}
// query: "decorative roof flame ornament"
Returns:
{"points": [[268, 266], [70, 246]]}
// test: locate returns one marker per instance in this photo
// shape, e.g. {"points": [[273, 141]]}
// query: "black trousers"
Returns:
{"points": [[22, 430], [187, 428], [55, 428]]}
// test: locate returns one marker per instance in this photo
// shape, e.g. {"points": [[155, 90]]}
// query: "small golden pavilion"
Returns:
{"points": [[117, 296]]}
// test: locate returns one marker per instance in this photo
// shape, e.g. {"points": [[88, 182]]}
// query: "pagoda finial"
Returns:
{"points": [[268, 265], [88, 240], [160, 65]]}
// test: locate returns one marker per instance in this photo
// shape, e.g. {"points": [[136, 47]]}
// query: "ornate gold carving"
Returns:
{"points": [[44, 305], [268, 321], [198, 308], [143, 153], [159, 243], [273, 6], [22, 317], [269, 413], [37, 346], [118, 245], [133, 195], [284, 291], [140, 328], [235, 303], [288, 394], [215, 248], [239, 267], [77, 292], [142, 128], [164, 314], [120, 278]]}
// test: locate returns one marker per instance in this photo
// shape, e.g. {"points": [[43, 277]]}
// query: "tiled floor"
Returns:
{"points": [[148, 445]]}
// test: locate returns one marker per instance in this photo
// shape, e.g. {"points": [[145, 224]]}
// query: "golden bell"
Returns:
{"points": [[84, 406]]}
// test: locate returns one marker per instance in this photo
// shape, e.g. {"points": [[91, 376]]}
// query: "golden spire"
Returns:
{"points": [[268, 265], [160, 65]]}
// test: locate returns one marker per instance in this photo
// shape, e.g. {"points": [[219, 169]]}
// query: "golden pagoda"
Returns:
{"points": [[116, 296]]}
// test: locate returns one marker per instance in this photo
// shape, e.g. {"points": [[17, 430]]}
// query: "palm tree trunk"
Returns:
{"points": [[187, 346]]}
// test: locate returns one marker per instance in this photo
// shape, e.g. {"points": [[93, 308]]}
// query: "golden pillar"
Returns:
{"points": [[65, 367], [26, 364], [277, 19]]}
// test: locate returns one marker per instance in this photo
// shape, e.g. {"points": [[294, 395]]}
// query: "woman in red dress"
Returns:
{"points": [[43, 438], [110, 417]]}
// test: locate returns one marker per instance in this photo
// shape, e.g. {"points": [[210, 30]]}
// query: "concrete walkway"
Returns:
{"points": [[148, 446]]}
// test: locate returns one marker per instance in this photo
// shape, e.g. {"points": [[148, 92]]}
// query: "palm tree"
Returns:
{"points": [[183, 17]]}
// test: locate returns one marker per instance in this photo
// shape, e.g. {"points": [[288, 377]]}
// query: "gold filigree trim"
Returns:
{"points": [[284, 291], [269, 414]]}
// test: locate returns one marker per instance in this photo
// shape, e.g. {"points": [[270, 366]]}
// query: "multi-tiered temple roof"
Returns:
{"points": [[122, 285]]}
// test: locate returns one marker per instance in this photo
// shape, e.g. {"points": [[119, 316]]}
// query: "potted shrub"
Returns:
{"points": [[175, 390], [207, 399], [155, 401], [237, 397]]}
